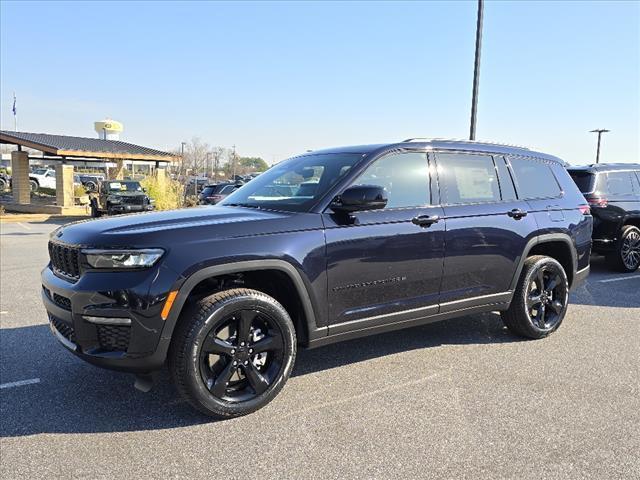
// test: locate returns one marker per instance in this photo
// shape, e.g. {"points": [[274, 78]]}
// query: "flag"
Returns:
{"points": [[15, 112]]}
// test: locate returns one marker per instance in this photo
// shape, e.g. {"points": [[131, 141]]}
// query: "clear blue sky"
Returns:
{"points": [[280, 78]]}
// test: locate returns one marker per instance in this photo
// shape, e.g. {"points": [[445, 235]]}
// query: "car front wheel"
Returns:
{"points": [[540, 300], [232, 352]]}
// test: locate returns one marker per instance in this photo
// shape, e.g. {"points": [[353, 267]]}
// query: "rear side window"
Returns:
{"points": [[467, 178], [535, 179], [619, 183], [584, 180]]}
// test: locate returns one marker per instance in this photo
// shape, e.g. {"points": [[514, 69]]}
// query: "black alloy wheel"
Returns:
{"points": [[547, 297], [242, 356], [540, 300], [232, 352], [630, 249]]}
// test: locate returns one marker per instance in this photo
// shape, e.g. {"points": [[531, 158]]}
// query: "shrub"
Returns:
{"points": [[79, 191], [167, 193]]}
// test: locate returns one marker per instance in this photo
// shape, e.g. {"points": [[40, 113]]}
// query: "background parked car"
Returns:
{"points": [[5, 182], [120, 196], [212, 194], [90, 181], [613, 193]]}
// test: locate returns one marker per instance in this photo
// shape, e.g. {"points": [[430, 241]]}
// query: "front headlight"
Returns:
{"points": [[123, 258]]}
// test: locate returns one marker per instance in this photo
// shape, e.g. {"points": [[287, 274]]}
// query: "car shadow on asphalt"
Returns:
{"points": [[75, 397]]}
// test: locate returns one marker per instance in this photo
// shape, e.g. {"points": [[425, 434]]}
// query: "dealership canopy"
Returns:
{"points": [[81, 147]]}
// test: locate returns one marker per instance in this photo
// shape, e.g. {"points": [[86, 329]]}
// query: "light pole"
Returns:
{"points": [[599, 131], [234, 163], [476, 72]]}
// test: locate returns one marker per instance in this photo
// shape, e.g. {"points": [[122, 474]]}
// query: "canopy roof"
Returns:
{"points": [[92, 148]]}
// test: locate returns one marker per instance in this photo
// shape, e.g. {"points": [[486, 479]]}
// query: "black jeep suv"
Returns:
{"points": [[613, 192], [327, 246], [119, 196]]}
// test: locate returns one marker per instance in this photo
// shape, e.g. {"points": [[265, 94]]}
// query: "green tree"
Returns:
{"points": [[255, 164]]}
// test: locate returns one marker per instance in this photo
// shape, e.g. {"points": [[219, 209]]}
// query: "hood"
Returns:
{"points": [[157, 229]]}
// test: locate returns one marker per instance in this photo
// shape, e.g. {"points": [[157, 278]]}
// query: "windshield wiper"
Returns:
{"points": [[246, 205]]}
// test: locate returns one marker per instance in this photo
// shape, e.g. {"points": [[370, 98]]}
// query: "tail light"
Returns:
{"points": [[598, 201], [585, 209]]}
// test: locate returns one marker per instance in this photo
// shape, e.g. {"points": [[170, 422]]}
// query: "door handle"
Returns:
{"points": [[517, 213], [425, 220]]}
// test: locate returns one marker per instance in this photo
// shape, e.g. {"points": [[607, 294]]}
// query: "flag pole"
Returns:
{"points": [[15, 114]]}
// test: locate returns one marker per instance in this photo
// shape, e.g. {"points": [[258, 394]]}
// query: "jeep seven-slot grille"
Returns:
{"points": [[64, 329], [114, 338], [137, 200], [65, 260]]}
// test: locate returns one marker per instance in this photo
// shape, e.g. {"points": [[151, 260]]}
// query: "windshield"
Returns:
{"points": [[40, 171], [295, 184], [124, 187], [584, 180]]}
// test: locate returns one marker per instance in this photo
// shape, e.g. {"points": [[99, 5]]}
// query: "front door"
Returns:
{"points": [[385, 266]]}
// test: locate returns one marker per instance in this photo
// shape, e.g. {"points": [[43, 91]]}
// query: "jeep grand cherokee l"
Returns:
{"points": [[327, 246], [613, 192]]}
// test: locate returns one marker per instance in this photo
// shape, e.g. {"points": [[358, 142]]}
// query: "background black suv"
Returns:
{"points": [[323, 247], [613, 192]]}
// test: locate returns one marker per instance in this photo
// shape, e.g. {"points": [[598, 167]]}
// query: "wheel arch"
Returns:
{"points": [[555, 245], [631, 220], [252, 268]]}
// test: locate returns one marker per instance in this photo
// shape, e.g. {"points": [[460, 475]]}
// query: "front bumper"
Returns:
{"points": [[135, 347], [124, 208]]}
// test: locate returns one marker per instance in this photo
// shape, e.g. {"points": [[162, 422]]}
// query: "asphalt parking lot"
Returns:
{"points": [[457, 399]]}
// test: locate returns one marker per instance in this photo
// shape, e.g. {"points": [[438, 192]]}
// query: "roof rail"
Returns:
{"points": [[455, 140]]}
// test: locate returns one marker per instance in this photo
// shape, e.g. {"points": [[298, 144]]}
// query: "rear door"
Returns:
{"points": [[487, 229]]}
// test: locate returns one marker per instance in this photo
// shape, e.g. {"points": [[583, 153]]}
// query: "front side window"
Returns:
{"points": [[619, 183], [405, 177], [296, 184], [535, 179], [467, 178]]}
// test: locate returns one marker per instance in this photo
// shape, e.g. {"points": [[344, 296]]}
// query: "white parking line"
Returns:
{"points": [[21, 383], [26, 227], [628, 277]]}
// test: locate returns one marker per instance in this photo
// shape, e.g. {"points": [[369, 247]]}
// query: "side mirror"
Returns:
{"points": [[359, 198]]}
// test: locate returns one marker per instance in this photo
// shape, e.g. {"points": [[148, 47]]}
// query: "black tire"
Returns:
{"points": [[535, 311], [4, 185], [90, 186], [34, 185], [95, 211], [201, 360], [626, 257]]}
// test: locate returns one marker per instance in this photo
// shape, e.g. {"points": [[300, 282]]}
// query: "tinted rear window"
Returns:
{"points": [[535, 179], [207, 191], [584, 180]]}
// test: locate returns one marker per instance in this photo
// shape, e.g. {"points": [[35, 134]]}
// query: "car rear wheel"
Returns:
{"points": [[232, 352], [626, 258], [34, 185], [540, 301]]}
